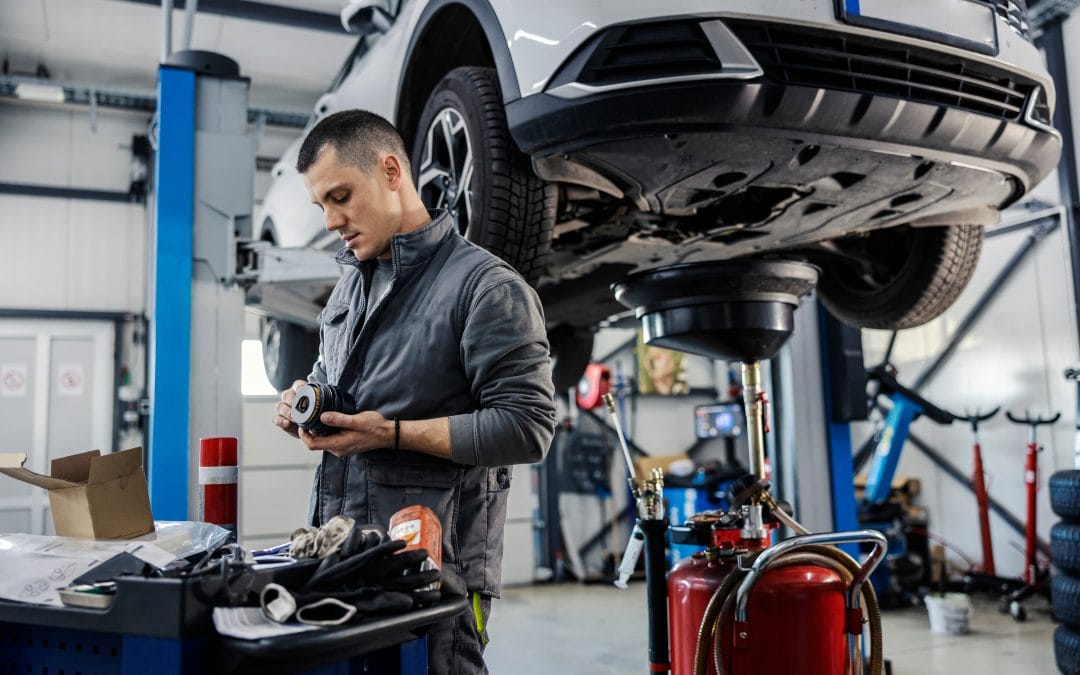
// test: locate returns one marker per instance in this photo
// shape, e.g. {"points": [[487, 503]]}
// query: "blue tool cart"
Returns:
{"points": [[164, 625]]}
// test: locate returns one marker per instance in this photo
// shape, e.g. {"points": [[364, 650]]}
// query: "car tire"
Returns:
{"points": [[1065, 547], [899, 277], [289, 351], [1065, 494], [1065, 599], [1067, 650], [507, 209]]}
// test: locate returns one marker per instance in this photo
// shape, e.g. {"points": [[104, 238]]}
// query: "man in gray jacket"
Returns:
{"points": [[442, 345]]}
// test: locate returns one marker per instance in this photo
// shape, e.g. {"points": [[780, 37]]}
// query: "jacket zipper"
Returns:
{"points": [[368, 321]]}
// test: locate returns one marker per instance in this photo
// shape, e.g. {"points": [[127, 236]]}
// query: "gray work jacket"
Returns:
{"points": [[459, 334]]}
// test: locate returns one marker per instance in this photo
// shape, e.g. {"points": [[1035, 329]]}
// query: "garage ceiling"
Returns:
{"points": [[117, 43]]}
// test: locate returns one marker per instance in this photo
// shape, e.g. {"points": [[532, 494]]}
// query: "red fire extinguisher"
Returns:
{"points": [[217, 482]]}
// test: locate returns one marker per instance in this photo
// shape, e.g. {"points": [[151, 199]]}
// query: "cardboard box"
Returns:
{"points": [[92, 495], [644, 465]]}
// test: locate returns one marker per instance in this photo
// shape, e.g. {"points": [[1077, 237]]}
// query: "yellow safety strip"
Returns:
{"points": [[479, 615]]}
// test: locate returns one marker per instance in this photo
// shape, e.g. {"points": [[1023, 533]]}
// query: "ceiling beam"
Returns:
{"points": [[260, 11]]}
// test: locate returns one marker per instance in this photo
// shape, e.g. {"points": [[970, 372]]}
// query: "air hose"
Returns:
{"points": [[723, 599]]}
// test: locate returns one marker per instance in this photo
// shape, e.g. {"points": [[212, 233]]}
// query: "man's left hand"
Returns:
{"points": [[357, 433]]}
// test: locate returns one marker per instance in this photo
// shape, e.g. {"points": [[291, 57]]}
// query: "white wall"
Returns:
{"points": [[80, 255], [1014, 357], [69, 254]]}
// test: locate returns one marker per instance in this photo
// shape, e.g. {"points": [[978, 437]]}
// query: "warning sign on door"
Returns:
{"points": [[71, 379], [13, 380]]}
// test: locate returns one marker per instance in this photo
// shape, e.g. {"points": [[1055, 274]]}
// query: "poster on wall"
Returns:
{"points": [[71, 379], [14, 379], [660, 371]]}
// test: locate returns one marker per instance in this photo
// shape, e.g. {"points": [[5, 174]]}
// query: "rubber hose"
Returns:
{"points": [[873, 610], [794, 558], [722, 603], [869, 601], [708, 619]]}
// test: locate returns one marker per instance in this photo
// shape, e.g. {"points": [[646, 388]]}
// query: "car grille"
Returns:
{"points": [[806, 57], [650, 51], [1012, 12]]}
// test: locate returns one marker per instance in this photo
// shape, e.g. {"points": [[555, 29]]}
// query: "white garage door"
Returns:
{"points": [[56, 398]]}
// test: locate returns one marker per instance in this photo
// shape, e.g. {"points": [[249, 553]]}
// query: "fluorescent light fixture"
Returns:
{"points": [[47, 93]]}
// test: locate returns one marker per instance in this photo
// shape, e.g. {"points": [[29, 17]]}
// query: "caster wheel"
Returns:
{"points": [[1004, 605], [1018, 612]]}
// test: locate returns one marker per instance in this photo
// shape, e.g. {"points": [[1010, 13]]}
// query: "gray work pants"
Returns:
{"points": [[456, 646]]}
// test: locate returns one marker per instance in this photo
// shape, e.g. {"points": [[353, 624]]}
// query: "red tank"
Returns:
{"points": [[796, 618]]}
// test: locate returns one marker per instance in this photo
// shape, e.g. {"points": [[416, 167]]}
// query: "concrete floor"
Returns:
{"points": [[596, 629]]}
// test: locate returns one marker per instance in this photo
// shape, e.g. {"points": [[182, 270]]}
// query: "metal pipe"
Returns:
{"points": [[266, 12], [1052, 42], [1026, 221], [770, 554], [166, 29], [139, 100], [190, 7], [609, 400], [755, 428], [656, 588]]}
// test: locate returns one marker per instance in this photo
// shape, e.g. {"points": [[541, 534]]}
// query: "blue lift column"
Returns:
{"points": [[203, 177], [834, 356]]}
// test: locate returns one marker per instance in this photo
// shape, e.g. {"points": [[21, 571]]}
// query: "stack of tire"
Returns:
{"points": [[1065, 582]]}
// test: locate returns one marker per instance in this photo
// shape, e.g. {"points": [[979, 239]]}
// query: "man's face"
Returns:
{"points": [[362, 208]]}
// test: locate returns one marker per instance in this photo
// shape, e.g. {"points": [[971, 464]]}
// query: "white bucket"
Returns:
{"points": [[949, 614]]}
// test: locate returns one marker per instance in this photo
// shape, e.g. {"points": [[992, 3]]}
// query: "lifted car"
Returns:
{"points": [[586, 141]]}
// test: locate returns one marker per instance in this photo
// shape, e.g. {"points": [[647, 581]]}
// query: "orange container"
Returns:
{"points": [[419, 527]]}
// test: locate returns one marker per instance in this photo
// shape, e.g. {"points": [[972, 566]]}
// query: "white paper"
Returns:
{"points": [[33, 568], [13, 380], [249, 623]]}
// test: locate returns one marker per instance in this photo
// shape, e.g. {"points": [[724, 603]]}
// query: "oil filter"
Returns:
{"points": [[312, 400]]}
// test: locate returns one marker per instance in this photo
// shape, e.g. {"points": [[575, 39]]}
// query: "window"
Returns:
{"points": [[253, 380]]}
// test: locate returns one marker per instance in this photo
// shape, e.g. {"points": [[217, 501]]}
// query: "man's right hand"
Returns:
{"points": [[283, 412]]}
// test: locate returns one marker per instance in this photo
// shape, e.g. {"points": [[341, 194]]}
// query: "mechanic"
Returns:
{"points": [[443, 347]]}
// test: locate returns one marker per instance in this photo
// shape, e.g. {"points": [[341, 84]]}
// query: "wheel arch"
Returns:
{"points": [[268, 231], [469, 34]]}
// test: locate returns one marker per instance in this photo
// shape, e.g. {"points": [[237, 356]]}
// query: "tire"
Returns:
{"points": [[571, 352], [289, 351], [1065, 599], [1065, 547], [502, 206], [899, 277], [1065, 494], [1067, 650]]}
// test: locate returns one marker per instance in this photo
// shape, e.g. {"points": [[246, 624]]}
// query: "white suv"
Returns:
{"points": [[583, 141]]}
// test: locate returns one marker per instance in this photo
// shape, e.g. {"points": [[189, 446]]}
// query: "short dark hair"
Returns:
{"points": [[358, 136]]}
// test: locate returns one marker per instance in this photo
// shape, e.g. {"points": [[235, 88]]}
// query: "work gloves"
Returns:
{"points": [[362, 572]]}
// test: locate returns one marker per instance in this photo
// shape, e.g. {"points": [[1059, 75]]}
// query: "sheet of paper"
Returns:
{"points": [[249, 623], [34, 567], [36, 577]]}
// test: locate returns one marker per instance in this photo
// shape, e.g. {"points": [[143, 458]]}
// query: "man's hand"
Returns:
{"points": [[283, 411], [358, 433]]}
